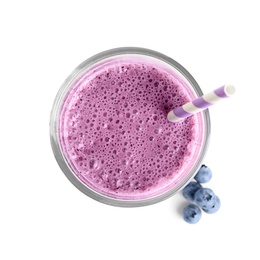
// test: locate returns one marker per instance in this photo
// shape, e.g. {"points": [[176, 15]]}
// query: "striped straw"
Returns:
{"points": [[200, 103]]}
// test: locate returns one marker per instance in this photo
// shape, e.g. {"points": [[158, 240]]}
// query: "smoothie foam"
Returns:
{"points": [[114, 133]]}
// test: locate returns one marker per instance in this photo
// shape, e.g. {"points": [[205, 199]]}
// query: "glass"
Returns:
{"points": [[93, 65]]}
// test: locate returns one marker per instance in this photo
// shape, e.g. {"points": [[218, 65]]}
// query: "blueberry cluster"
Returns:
{"points": [[204, 198]]}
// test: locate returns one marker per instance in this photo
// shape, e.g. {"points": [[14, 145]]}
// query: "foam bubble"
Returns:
{"points": [[138, 127], [157, 130], [151, 138], [165, 147]]}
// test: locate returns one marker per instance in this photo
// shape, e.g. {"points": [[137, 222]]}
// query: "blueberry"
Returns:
{"points": [[203, 175], [189, 191], [205, 198], [214, 208], [191, 214]]}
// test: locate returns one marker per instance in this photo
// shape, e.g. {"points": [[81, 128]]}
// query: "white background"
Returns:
{"points": [[42, 215]]}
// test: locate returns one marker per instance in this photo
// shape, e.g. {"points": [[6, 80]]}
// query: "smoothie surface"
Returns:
{"points": [[114, 133]]}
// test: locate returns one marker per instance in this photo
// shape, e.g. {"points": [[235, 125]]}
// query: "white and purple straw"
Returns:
{"points": [[200, 103]]}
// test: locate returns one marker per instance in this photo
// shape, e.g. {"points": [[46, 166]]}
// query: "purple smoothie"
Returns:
{"points": [[114, 133]]}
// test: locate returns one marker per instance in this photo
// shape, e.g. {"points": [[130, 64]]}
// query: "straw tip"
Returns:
{"points": [[229, 90], [172, 117]]}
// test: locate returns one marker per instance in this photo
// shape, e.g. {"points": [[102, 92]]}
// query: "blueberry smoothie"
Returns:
{"points": [[114, 133]]}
